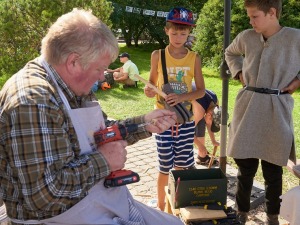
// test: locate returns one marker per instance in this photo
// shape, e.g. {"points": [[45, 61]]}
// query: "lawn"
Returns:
{"points": [[121, 103]]}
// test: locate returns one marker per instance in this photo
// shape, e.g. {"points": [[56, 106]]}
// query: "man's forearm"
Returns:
{"points": [[114, 70], [122, 77], [141, 133]]}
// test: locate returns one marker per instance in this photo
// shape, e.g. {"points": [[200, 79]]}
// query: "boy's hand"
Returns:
{"points": [[149, 92], [173, 99], [293, 86], [241, 79], [215, 143]]}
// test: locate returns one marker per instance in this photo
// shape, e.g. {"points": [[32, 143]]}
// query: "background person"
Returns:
{"points": [[266, 61], [175, 146], [125, 73], [203, 110], [52, 171]]}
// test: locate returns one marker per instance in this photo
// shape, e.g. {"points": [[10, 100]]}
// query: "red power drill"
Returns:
{"points": [[114, 133]]}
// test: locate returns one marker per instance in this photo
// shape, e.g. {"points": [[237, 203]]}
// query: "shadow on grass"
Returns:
{"points": [[118, 92]]}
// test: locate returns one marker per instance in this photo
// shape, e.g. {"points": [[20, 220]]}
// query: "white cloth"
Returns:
{"points": [[290, 206]]}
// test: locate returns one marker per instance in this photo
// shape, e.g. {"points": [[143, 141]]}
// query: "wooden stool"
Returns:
{"points": [[294, 168], [169, 207], [189, 214]]}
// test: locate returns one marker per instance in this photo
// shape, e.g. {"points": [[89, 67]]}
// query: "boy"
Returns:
{"points": [[203, 109], [175, 149], [266, 61]]}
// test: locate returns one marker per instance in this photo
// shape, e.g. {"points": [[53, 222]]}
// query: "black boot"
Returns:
{"points": [[242, 217], [272, 219]]}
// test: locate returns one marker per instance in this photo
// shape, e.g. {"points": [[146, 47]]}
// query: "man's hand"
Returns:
{"points": [[115, 154], [160, 120]]}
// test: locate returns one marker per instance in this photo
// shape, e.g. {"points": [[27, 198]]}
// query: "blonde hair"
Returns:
{"points": [[78, 31], [265, 5]]}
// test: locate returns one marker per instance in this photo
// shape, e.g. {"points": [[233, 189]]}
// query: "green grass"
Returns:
{"points": [[121, 103]]}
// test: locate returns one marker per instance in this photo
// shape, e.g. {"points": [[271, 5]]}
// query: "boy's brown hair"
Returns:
{"points": [[177, 26], [265, 5]]}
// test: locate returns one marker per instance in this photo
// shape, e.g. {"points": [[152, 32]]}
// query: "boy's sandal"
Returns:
{"points": [[205, 160]]}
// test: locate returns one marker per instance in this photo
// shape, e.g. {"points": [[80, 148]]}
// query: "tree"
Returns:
{"points": [[290, 13], [131, 24], [136, 24], [210, 28], [23, 23]]}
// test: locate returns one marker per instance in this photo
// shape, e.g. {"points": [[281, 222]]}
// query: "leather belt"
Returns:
{"points": [[266, 90]]}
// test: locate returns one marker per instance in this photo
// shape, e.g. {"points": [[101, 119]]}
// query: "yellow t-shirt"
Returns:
{"points": [[180, 74]]}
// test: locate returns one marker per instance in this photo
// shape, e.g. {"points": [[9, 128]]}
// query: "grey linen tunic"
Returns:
{"points": [[262, 124]]}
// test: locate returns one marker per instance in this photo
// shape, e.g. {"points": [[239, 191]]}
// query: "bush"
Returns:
{"points": [[24, 23], [210, 26]]}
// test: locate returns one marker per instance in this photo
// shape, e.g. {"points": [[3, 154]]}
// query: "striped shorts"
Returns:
{"points": [[175, 148]]}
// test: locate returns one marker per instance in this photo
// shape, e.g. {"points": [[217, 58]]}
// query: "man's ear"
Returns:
{"points": [[73, 63]]}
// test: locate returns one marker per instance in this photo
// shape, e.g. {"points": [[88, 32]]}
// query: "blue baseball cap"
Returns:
{"points": [[181, 15], [124, 54]]}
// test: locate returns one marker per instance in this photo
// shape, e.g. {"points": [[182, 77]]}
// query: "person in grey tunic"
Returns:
{"points": [[266, 59]]}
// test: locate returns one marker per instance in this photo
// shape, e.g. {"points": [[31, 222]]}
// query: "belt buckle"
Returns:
{"points": [[278, 92]]}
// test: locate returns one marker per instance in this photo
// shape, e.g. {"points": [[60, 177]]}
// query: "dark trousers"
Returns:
{"points": [[272, 174]]}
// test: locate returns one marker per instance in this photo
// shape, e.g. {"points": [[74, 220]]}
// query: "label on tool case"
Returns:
{"points": [[121, 177]]}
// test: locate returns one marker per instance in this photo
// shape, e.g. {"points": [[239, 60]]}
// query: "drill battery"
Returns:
{"points": [[121, 177]]}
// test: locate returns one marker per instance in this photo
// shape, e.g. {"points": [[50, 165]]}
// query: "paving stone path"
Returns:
{"points": [[142, 159]]}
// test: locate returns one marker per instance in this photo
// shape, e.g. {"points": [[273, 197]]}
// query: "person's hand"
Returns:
{"points": [[173, 99], [115, 154], [149, 92], [215, 143], [191, 40], [241, 79], [292, 87], [160, 120]]}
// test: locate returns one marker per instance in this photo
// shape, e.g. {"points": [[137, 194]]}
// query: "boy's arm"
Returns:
{"points": [[208, 121], [234, 57], [199, 80], [149, 92]]}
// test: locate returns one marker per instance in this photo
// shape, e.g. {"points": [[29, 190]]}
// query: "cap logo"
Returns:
{"points": [[181, 16]]}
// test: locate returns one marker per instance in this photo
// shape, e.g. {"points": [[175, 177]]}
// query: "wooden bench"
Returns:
{"points": [[294, 168]]}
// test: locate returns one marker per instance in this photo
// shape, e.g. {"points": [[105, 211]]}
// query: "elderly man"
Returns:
{"points": [[52, 171]]}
